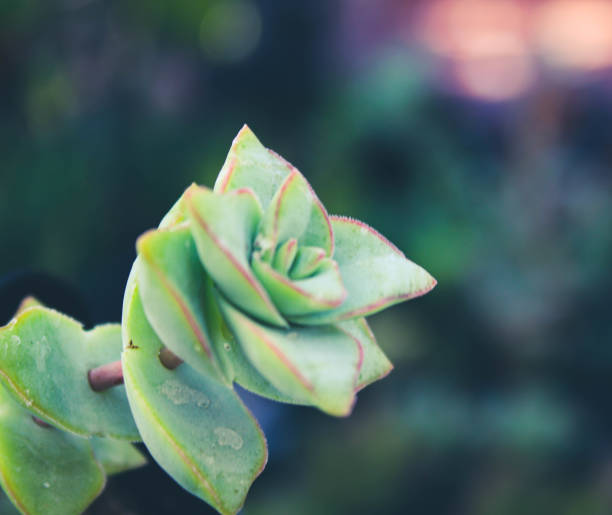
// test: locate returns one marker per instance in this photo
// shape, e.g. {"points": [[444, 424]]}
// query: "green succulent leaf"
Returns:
{"points": [[179, 303], [44, 361], [251, 165], [375, 364], [27, 302], [320, 292], [375, 273], [116, 456], [196, 427], [307, 262], [296, 212], [172, 282], [250, 283], [223, 227], [45, 471], [285, 256], [317, 365], [237, 365]]}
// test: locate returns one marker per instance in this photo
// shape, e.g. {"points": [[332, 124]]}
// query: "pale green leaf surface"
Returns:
{"points": [[307, 262], [44, 360], [223, 227], [296, 212], [375, 273], [250, 165], [45, 471], [375, 364], [318, 364], [237, 365], [285, 256], [195, 427], [320, 292], [116, 456], [171, 281]]}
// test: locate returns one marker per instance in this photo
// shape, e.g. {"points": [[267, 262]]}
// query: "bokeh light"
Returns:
{"points": [[486, 43], [575, 33]]}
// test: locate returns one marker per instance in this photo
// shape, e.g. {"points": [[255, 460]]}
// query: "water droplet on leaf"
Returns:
{"points": [[228, 437], [180, 394]]}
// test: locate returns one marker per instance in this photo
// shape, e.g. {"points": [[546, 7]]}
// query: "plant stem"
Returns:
{"points": [[105, 376], [111, 374]]}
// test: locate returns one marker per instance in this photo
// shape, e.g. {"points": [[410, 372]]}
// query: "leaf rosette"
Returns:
{"points": [[251, 283]]}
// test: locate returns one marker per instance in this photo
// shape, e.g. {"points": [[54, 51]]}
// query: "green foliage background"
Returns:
{"points": [[499, 401]]}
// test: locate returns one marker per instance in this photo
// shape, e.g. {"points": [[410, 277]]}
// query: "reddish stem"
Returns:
{"points": [[105, 376], [111, 374]]}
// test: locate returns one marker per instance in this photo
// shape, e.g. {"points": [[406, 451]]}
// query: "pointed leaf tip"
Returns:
{"points": [[250, 164], [375, 273], [317, 365], [375, 364], [28, 302]]}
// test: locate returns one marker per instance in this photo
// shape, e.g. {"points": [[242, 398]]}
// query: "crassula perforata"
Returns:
{"points": [[250, 283]]}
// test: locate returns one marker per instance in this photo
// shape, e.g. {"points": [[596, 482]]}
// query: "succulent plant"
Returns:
{"points": [[250, 283], [58, 438]]}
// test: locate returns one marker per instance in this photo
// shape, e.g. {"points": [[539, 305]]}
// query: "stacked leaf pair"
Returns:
{"points": [[251, 283], [58, 438]]}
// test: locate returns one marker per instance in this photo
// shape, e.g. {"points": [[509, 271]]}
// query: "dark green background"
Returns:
{"points": [[499, 402]]}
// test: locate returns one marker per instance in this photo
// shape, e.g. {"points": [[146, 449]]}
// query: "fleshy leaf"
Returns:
{"points": [[250, 165], [175, 216], [375, 273], [321, 292], [195, 427], [223, 227], [307, 262], [237, 366], [285, 256], [117, 456], [318, 364], [26, 303], [44, 360], [45, 471], [375, 364], [171, 280], [295, 211]]}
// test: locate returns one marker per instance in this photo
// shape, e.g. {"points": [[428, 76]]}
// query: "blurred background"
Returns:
{"points": [[475, 134]]}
